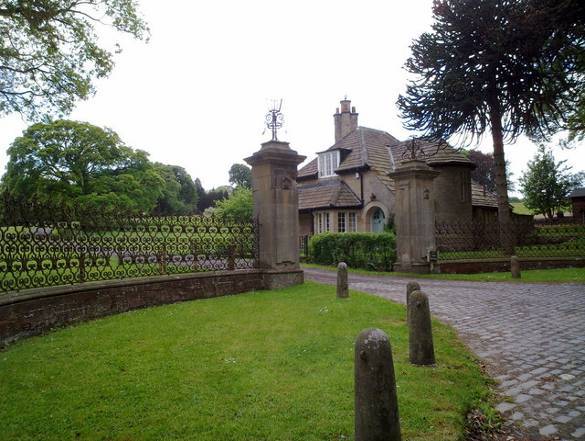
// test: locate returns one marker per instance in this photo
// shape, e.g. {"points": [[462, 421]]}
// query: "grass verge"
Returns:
{"points": [[557, 275], [271, 365]]}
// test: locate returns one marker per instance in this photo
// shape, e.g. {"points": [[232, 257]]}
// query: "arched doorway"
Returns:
{"points": [[377, 220]]}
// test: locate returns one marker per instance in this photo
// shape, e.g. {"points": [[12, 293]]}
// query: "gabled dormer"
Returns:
{"points": [[327, 163]]}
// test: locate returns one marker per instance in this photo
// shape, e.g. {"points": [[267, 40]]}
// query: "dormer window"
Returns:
{"points": [[328, 162]]}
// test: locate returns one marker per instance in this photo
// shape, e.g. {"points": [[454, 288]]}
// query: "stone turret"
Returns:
{"points": [[346, 121]]}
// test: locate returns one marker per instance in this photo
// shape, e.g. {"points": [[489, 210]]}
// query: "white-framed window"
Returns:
{"points": [[351, 222], [341, 222], [322, 223], [328, 162]]}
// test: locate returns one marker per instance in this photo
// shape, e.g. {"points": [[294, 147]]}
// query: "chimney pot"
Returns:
{"points": [[352, 109]]}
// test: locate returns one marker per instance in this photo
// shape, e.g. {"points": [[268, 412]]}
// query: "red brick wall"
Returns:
{"points": [[40, 310]]}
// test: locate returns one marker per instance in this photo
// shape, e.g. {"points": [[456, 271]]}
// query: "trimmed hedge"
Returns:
{"points": [[375, 251]]}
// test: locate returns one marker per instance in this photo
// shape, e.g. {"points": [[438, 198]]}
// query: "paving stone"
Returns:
{"points": [[548, 430], [504, 407], [579, 433]]}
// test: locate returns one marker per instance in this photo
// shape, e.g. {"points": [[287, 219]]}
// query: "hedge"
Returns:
{"points": [[375, 251]]}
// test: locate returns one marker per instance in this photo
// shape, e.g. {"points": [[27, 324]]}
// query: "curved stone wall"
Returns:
{"points": [[36, 311]]}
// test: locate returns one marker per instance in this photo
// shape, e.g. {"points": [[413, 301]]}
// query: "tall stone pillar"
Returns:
{"points": [[276, 207], [414, 215]]}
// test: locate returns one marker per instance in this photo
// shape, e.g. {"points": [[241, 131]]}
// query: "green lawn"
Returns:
{"points": [[558, 275], [520, 208], [271, 365]]}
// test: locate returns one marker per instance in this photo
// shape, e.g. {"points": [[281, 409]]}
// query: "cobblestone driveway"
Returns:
{"points": [[532, 337]]}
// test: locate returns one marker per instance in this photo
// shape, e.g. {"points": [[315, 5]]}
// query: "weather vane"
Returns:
{"points": [[275, 119], [413, 151]]}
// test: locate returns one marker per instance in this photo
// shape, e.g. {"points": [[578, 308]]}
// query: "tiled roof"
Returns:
{"points": [[380, 152], [309, 170], [435, 155], [326, 193], [577, 193], [480, 197]]}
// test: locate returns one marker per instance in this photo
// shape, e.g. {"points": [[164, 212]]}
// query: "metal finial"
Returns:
{"points": [[275, 119], [413, 151]]}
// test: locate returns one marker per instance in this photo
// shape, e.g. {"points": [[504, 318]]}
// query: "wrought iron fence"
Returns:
{"points": [[304, 246], [38, 249], [482, 240]]}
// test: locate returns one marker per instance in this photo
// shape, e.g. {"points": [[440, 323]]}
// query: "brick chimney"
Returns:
{"points": [[346, 121]]}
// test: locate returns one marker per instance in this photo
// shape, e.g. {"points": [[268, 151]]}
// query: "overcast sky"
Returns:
{"points": [[196, 95]]}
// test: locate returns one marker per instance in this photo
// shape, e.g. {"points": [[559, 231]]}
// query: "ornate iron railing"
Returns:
{"points": [[71, 247], [482, 240]]}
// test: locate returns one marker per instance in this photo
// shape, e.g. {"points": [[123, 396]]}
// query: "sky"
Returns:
{"points": [[197, 93]]}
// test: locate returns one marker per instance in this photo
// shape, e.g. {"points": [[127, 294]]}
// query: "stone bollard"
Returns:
{"points": [[342, 288], [515, 267], [410, 288], [420, 341], [376, 405]]}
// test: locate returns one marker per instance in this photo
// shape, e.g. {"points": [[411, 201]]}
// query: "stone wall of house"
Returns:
{"points": [[305, 224], [39, 310]]}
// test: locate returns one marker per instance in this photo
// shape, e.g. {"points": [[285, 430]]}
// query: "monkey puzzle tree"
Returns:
{"points": [[488, 65], [49, 51]]}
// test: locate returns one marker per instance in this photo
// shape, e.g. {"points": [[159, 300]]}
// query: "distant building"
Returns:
{"points": [[347, 187], [577, 197]]}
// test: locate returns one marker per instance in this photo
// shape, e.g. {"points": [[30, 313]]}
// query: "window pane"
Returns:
{"points": [[341, 222]]}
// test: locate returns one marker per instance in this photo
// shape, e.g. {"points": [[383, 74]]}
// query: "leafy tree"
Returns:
{"points": [[546, 183], [486, 65], [208, 198], [179, 195], [80, 164], [484, 172], [238, 206], [240, 176], [49, 51]]}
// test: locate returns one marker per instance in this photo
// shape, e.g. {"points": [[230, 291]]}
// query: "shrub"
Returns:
{"points": [[376, 251]]}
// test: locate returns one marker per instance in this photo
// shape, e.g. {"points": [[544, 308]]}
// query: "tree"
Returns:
{"points": [[49, 51], [484, 172], [179, 195], [238, 207], [208, 198], [82, 165], [240, 176], [546, 183], [487, 65]]}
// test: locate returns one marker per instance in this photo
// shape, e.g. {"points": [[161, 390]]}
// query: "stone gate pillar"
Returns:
{"points": [[276, 207], [414, 215]]}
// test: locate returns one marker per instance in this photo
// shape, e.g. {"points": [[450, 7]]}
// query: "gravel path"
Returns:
{"points": [[531, 336]]}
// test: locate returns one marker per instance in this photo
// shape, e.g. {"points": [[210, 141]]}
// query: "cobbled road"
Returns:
{"points": [[531, 336]]}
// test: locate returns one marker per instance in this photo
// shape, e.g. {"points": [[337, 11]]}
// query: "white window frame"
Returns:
{"points": [[328, 162], [352, 222], [341, 222]]}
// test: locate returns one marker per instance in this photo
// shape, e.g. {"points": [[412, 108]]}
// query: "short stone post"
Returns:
{"points": [[515, 267], [376, 404], [276, 208], [342, 287], [420, 341], [410, 288]]}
